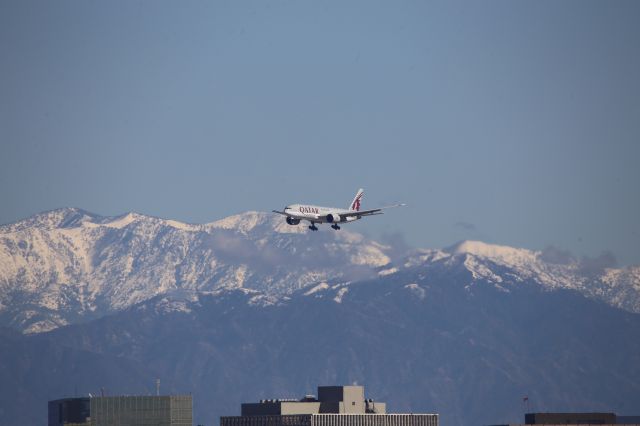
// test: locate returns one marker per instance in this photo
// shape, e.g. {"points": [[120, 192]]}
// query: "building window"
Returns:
{"points": [[353, 403]]}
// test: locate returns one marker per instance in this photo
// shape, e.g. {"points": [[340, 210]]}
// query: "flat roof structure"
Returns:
{"points": [[169, 410], [595, 418], [334, 406], [570, 418]]}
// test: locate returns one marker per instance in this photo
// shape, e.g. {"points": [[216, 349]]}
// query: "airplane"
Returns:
{"points": [[317, 214]]}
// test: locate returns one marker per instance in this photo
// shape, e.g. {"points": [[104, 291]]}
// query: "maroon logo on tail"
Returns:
{"points": [[356, 203]]}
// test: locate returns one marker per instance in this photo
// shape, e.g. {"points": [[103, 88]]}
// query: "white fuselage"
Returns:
{"points": [[319, 214]]}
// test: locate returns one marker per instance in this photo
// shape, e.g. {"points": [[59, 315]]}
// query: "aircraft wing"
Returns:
{"points": [[282, 213], [370, 212]]}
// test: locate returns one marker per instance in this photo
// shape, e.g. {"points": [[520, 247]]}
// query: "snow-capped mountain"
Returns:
{"points": [[463, 331], [507, 266], [68, 265]]}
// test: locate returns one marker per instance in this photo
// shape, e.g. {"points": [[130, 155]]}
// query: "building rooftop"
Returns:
{"points": [[330, 400], [577, 418]]}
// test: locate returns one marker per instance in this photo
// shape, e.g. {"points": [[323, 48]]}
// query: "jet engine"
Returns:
{"points": [[292, 221], [332, 218]]}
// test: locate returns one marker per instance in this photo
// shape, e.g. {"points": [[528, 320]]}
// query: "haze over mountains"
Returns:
{"points": [[249, 307]]}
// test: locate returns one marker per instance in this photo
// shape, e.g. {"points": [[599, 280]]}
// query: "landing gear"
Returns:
{"points": [[335, 226], [313, 227]]}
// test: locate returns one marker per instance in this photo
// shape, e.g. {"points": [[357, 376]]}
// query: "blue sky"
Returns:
{"points": [[515, 123]]}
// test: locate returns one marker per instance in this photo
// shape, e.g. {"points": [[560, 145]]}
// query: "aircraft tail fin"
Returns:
{"points": [[355, 204]]}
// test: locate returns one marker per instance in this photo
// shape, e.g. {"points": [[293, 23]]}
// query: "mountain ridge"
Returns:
{"points": [[68, 265], [236, 310]]}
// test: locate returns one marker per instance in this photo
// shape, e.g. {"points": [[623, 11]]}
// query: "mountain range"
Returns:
{"points": [[249, 307]]}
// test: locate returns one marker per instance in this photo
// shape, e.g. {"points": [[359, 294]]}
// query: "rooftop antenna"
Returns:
{"points": [[157, 387]]}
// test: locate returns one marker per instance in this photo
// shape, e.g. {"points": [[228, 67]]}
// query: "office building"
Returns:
{"points": [[334, 406], [557, 419], [174, 410], [570, 418], [68, 411]]}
